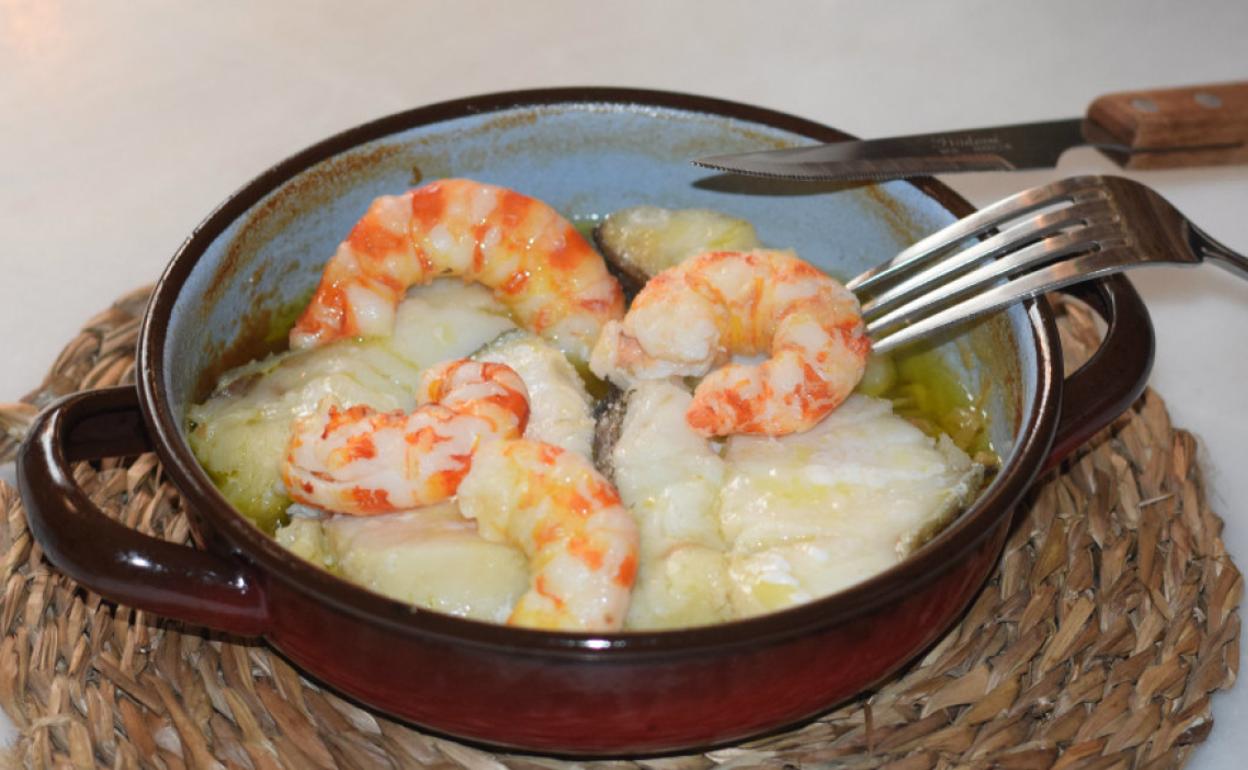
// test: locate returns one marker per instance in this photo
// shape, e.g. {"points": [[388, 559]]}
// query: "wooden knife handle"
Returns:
{"points": [[1160, 123]]}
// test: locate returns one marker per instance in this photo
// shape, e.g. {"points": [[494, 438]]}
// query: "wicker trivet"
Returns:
{"points": [[1097, 643]]}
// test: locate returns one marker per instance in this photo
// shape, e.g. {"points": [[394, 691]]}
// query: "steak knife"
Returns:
{"points": [[1193, 126]]}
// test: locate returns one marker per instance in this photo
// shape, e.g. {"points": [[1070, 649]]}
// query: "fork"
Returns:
{"points": [[1039, 240]]}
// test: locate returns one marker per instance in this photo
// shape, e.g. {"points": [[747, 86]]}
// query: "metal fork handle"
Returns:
{"points": [[1206, 247]]}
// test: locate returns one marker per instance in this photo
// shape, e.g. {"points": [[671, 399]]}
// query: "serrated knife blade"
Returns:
{"points": [[1002, 148]]}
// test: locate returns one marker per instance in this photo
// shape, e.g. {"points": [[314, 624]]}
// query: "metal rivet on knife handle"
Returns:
{"points": [[1206, 99]]}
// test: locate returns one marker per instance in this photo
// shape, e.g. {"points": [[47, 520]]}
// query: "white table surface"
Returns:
{"points": [[123, 124]]}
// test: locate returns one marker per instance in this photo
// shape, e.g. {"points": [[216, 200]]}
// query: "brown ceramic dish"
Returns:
{"points": [[587, 151]]}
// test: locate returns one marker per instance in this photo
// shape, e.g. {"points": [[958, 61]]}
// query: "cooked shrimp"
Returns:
{"points": [[536, 262], [580, 541], [364, 462], [694, 316]]}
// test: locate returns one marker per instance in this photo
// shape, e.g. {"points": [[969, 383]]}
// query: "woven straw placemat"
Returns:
{"points": [[1097, 643]]}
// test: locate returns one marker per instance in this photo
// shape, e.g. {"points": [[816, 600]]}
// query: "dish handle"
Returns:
{"points": [[117, 562], [1115, 376]]}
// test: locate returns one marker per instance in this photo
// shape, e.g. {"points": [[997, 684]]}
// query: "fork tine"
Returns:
{"points": [[1084, 267], [981, 278], [1083, 213], [987, 218]]}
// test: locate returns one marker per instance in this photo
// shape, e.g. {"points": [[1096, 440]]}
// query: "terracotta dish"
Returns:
{"points": [[586, 152]]}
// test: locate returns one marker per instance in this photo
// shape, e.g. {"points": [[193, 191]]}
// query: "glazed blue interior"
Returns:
{"points": [[586, 160]]}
